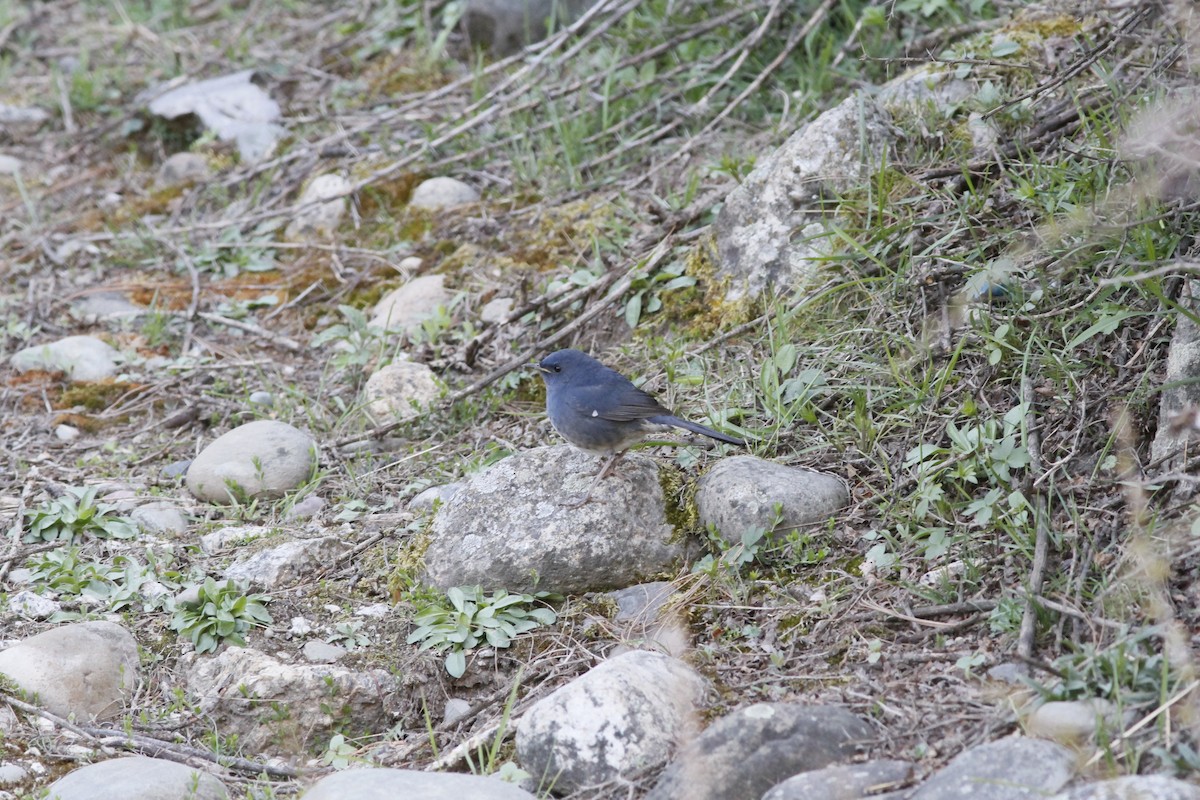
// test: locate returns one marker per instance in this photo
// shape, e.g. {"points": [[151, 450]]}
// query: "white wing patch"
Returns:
{"points": [[595, 413]]}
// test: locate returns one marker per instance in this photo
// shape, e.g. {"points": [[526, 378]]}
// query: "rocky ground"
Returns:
{"points": [[285, 514]]}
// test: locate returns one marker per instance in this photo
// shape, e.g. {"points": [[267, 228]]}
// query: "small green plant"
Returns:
{"points": [[730, 558], [733, 556], [982, 455], [349, 634], [353, 342], [647, 290], [339, 753], [119, 585], [233, 255], [223, 613], [75, 515], [473, 617]]}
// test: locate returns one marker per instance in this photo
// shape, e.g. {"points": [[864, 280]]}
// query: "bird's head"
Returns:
{"points": [[565, 365]]}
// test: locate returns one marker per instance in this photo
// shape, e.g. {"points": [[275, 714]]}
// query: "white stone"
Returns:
{"points": [[138, 778], [84, 668], [82, 358], [405, 308], [400, 391], [264, 458], [437, 193], [320, 221]]}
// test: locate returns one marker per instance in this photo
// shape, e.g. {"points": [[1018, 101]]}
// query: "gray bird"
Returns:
{"points": [[599, 410]]}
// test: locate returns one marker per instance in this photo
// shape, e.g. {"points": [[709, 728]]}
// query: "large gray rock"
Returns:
{"points": [[771, 232], [843, 782], [1133, 787], [405, 308], [626, 714], [1007, 769], [243, 691], [741, 492], [508, 527], [384, 783], [742, 755], [263, 459], [137, 778], [84, 668], [82, 358]]}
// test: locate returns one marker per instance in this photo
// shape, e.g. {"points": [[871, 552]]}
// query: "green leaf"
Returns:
{"points": [[456, 663], [633, 310]]}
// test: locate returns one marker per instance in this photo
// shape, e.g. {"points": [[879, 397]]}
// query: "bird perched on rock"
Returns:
{"points": [[599, 410]]}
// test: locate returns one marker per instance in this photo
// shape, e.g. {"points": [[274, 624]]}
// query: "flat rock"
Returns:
{"points": [[242, 690], [843, 782], [103, 307], [1133, 787], [1072, 721], [384, 783], [82, 668], [179, 168], [232, 106], [32, 605], [20, 121], [437, 193], [160, 516], [1013, 768], [138, 778], [400, 391], [234, 536], [82, 358], [405, 308], [263, 459], [744, 754], [508, 527], [320, 221], [740, 493], [621, 716], [286, 564], [644, 616]]}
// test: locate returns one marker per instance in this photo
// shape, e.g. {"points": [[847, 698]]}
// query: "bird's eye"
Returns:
{"points": [[557, 368]]}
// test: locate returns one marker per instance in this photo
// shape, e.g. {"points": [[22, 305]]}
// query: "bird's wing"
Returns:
{"points": [[623, 404]]}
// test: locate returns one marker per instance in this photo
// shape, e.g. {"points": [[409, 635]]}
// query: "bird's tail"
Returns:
{"points": [[677, 422]]}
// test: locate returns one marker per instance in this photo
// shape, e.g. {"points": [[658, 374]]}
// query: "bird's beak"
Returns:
{"points": [[540, 368]]}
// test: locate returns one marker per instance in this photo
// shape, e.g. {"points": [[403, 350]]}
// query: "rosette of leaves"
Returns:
{"points": [[74, 515], [471, 618], [222, 613]]}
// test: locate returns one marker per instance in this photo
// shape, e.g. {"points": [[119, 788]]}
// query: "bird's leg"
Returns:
{"points": [[601, 475]]}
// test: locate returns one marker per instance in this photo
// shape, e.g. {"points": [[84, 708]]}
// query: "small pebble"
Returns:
{"points": [[66, 433], [262, 398]]}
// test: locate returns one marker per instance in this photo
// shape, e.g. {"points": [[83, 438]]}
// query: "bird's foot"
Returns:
{"points": [[577, 500]]}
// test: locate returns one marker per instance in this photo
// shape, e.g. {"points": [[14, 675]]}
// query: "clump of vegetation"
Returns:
{"points": [[222, 613], [472, 617], [76, 515]]}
